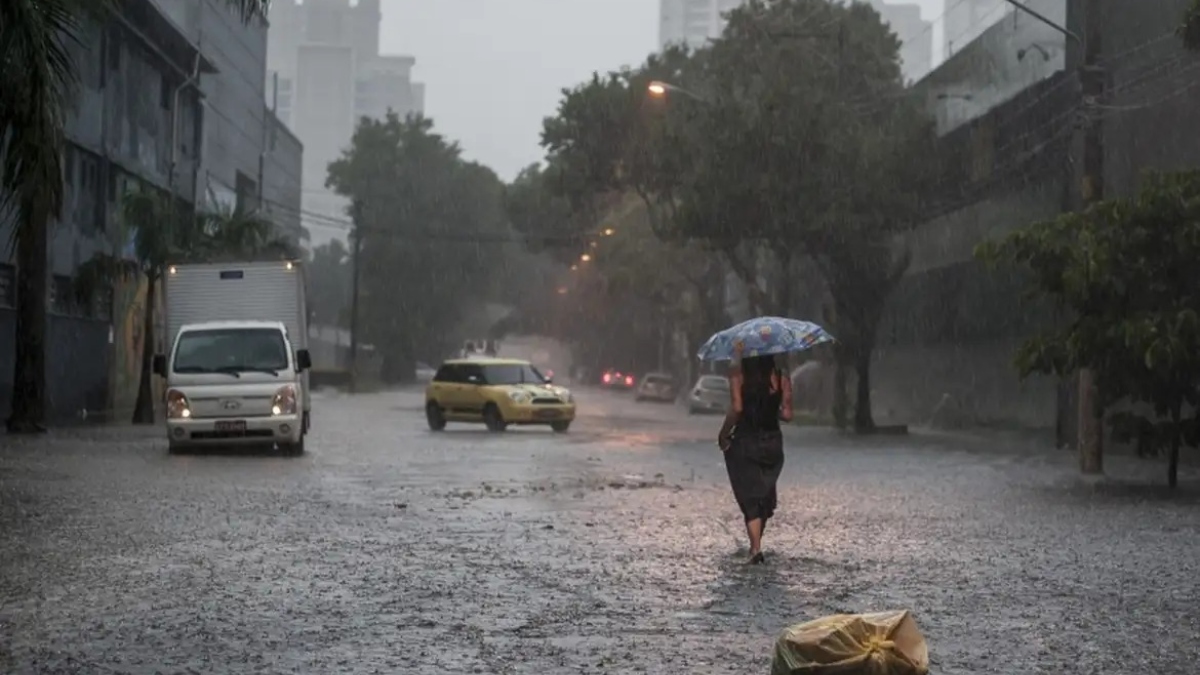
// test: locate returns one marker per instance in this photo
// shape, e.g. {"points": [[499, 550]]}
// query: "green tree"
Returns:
{"points": [[813, 151], [433, 229], [329, 285], [161, 231], [38, 76], [1122, 271]]}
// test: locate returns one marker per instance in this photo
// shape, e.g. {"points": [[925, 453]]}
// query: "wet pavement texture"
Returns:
{"points": [[612, 549]]}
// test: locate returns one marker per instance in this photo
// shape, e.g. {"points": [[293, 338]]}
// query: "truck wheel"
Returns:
{"points": [[293, 449], [493, 419], [434, 416], [560, 427]]}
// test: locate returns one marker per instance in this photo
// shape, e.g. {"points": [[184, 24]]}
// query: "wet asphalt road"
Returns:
{"points": [[388, 549]]}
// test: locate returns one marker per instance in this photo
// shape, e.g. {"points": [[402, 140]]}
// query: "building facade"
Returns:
{"points": [[325, 54], [157, 108], [1008, 106]]}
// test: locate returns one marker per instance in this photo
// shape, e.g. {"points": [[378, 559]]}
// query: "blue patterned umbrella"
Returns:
{"points": [[762, 336]]}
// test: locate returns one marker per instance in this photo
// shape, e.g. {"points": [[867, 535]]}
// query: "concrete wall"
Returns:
{"points": [[1154, 89], [949, 334], [951, 331]]}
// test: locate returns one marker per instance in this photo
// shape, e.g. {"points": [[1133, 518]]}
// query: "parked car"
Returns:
{"points": [[615, 379], [709, 395], [657, 387], [498, 393], [425, 372]]}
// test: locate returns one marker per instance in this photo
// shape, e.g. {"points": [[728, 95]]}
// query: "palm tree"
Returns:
{"points": [[163, 231], [37, 76]]}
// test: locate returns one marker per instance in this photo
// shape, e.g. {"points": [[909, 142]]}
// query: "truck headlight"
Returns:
{"points": [[284, 402], [519, 396], [178, 407]]}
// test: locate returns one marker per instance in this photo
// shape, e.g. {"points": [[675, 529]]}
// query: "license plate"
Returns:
{"points": [[547, 414], [232, 427]]}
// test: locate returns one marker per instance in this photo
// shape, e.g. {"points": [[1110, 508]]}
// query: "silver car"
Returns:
{"points": [[710, 394]]}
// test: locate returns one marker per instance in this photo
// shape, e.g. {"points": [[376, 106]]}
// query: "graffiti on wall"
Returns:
{"points": [[129, 303]]}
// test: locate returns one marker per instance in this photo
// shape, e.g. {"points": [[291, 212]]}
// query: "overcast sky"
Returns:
{"points": [[494, 68]]}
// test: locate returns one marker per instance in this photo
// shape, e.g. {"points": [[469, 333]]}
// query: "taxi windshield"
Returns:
{"points": [[512, 373]]}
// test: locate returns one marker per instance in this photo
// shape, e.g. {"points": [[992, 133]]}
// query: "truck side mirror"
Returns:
{"points": [[159, 365], [303, 360]]}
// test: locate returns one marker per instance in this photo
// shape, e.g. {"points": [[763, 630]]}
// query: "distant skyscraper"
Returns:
{"points": [[916, 35], [692, 22], [325, 54]]}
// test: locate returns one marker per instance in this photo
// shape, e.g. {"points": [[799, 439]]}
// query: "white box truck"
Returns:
{"points": [[237, 370]]}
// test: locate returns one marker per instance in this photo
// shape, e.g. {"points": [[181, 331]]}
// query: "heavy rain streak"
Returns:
{"points": [[797, 337]]}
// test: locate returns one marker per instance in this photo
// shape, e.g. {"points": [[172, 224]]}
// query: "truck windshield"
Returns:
{"points": [[231, 350]]}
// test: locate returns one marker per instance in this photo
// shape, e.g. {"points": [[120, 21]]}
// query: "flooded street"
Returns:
{"points": [[612, 549]]}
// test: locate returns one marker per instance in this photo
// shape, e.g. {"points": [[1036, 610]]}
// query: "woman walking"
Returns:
{"points": [[760, 396]]}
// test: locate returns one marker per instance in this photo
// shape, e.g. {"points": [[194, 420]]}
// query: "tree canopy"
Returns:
{"points": [[1123, 272], [791, 141], [433, 233]]}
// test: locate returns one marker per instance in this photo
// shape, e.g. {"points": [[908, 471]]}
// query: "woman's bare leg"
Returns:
{"points": [[754, 529]]}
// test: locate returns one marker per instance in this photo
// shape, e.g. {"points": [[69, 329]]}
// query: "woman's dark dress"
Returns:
{"points": [[755, 457]]}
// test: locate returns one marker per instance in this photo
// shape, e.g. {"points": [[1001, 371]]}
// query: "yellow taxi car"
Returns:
{"points": [[496, 392]]}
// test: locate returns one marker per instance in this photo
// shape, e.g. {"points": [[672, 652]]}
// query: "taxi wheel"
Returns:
{"points": [[560, 427], [493, 419], [433, 415]]}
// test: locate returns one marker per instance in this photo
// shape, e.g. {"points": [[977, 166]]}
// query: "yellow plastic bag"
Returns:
{"points": [[884, 643]]}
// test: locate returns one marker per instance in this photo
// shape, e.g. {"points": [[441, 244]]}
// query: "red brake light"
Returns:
{"points": [[607, 378], [628, 380]]}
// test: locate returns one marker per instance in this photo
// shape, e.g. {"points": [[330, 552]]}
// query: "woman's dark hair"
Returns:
{"points": [[757, 370]]}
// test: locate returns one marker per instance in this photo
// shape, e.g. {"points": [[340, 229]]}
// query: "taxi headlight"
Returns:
{"points": [[519, 396], [178, 407], [284, 402]]}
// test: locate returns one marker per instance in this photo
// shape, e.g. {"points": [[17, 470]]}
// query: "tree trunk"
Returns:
{"points": [[864, 423], [28, 413], [840, 402], [143, 408], [1173, 458], [1090, 425]]}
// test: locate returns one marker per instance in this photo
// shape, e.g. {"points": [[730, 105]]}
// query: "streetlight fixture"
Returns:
{"points": [[608, 232], [659, 89], [585, 257]]}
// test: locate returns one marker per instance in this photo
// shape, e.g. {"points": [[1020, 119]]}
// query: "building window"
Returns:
{"points": [[247, 193], [8, 285]]}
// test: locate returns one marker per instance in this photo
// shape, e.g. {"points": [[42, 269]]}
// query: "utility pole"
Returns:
{"points": [[355, 259], [1092, 79]]}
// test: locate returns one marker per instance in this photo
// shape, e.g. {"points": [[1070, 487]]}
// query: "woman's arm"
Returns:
{"points": [[785, 406], [734, 412]]}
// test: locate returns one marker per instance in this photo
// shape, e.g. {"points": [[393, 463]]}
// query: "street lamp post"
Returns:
{"points": [[660, 89]]}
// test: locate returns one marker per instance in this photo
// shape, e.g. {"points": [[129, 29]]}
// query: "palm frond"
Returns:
{"points": [[37, 75]]}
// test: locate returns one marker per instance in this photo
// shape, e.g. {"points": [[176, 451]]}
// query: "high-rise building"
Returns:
{"points": [[325, 56], [915, 35], [695, 22], [692, 22]]}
